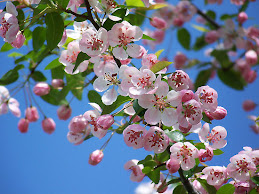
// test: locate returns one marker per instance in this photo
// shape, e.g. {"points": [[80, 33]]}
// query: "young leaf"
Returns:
{"points": [[55, 28], [135, 3], [53, 64], [159, 66], [80, 58], [95, 97], [200, 28], [120, 100], [6, 47], [184, 38], [176, 136], [146, 37], [38, 38], [158, 53], [38, 76], [226, 189], [217, 152], [11, 76]]}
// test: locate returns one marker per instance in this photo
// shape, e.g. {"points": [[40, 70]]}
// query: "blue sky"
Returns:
{"points": [[36, 162]]}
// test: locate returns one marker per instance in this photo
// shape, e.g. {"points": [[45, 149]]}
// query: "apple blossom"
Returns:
{"points": [[79, 29], [197, 186], [156, 139], [215, 175], [95, 157], [137, 175], [134, 136], [179, 80], [121, 35], [206, 155], [105, 121], [41, 89], [211, 36], [31, 113], [185, 153]]}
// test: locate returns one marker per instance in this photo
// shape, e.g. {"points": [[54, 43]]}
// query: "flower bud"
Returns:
{"points": [[95, 157], [206, 155], [250, 76], [251, 57], [249, 105], [185, 129], [178, 22], [48, 125], [211, 36], [18, 42], [41, 89], [23, 125], [158, 23], [219, 113], [242, 17], [57, 83], [78, 124], [255, 128], [105, 121], [31, 113], [186, 95], [172, 165], [64, 112], [179, 60]]}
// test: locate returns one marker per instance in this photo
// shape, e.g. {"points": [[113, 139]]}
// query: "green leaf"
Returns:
{"points": [[56, 97], [95, 97], [210, 189], [179, 189], [244, 7], [162, 157], [226, 189], [6, 47], [158, 53], [253, 191], [231, 78], [57, 72], [136, 19], [172, 181], [108, 24], [146, 37], [199, 43], [147, 158], [38, 76], [15, 54], [222, 57], [255, 179], [146, 169], [80, 58], [138, 109], [120, 100], [53, 64], [218, 152], [62, 3], [227, 16], [38, 38], [11, 76], [159, 66], [176, 136], [211, 14], [55, 28], [135, 3], [200, 146], [184, 38], [202, 78], [76, 83], [206, 118], [154, 175], [200, 28]]}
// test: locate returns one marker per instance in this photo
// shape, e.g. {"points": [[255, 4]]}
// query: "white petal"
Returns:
{"points": [[120, 53], [133, 50], [100, 84], [169, 117], [109, 97], [152, 116]]}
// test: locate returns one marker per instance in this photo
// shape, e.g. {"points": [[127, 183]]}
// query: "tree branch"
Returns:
{"points": [[187, 185]]}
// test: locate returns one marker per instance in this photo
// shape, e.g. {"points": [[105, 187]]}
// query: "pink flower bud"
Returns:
{"points": [[172, 165], [211, 36], [255, 128], [186, 95], [251, 57], [250, 76], [179, 60], [206, 155], [18, 42], [178, 22], [31, 113], [48, 125], [249, 105], [219, 113], [23, 125], [105, 121], [41, 89], [64, 112], [242, 17], [200, 20], [78, 124], [185, 129], [57, 83], [95, 157], [158, 23]]}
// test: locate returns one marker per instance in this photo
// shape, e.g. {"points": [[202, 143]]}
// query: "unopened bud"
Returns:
{"points": [[219, 113], [64, 112], [57, 83], [48, 125], [211, 36], [95, 157], [242, 17], [78, 124], [41, 89], [206, 155], [158, 23], [31, 113], [23, 125], [105, 121], [249, 105], [251, 57], [172, 165]]}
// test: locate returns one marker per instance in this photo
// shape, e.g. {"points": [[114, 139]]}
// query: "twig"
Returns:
{"points": [[187, 185]]}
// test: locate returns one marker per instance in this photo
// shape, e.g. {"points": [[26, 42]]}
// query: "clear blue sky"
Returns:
{"points": [[40, 163]]}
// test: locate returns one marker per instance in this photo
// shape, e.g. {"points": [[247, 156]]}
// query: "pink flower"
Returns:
{"points": [[57, 83], [238, 2], [95, 157], [74, 4], [172, 165], [218, 114], [214, 1], [158, 23], [156, 139], [179, 80], [78, 138], [249, 105], [179, 60], [23, 125], [206, 155], [241, 167], [253, 154], [64, 112], [211, 36], [208, 98], [48, 125], [189, 113], [134, 136], [251, 57], [31, 113], [250, 76], [41, 89], [216, 137], [19, 40], [185, 153], [149, 60], [242, 17], [94, 42], [215, 175], [197, 186], [105, 121], [137, 175], [121, 35]]}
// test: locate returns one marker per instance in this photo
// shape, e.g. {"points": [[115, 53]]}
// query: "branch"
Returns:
{"points": [[187, 185], [90, 17]]}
